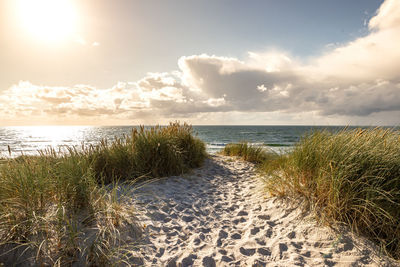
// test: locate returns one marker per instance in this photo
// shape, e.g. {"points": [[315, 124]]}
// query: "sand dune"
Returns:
{"points": [[219, 216]]}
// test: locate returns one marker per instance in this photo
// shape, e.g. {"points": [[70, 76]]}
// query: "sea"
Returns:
{"points": [[29, 140]]}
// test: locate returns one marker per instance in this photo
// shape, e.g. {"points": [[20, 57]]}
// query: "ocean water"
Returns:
{"points": [[29, 140]]}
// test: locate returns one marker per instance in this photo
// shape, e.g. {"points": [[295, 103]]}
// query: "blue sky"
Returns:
{"points": [[160, 53]]}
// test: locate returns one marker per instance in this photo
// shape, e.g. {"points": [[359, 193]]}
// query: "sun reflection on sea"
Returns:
{"points": [[31, 139], [55, 135]]}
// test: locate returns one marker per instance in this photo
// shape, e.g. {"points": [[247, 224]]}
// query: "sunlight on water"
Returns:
{"points": [[54, 135], [28, 140]]}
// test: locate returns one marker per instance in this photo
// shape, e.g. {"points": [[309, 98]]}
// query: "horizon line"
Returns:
{"points": [[233, 125]]}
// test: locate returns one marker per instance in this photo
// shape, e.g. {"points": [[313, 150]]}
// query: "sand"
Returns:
{"points": [[219, 216]]}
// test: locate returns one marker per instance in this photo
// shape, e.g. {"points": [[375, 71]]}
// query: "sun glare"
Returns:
{"points": [[48, 20]]}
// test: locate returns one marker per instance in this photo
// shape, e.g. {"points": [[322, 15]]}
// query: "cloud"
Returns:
{"points": [[387, 16], [355, 81]]}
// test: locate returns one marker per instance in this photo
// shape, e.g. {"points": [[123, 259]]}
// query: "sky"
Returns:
{"points": [[128, 62]]}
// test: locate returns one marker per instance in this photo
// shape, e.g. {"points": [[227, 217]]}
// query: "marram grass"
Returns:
{"points": [[245, 151], [57, 209], [155, 152], [350, 177]]}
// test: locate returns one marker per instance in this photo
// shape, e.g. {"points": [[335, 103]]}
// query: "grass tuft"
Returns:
{"points": [[350, 177], [58, 208], [154, 152], [254, 154]]}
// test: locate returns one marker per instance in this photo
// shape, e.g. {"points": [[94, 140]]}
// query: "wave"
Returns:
{"points": [[253, 144], [218, 144], [278, 145]]}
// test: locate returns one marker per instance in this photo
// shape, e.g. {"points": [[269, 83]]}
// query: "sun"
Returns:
{"points": [[48, 20]]}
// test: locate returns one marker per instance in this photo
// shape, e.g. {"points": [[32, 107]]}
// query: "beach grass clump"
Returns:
{"points": [[63, 208], [52, 211], [350, 177], [148, 152], [111, 160], [164, 151], [245, 151]]}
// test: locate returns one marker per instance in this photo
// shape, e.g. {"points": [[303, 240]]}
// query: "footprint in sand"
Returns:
{"points": [[236, 236], [222, 234], [254, 231], [242, 213], [188, 261], [247, 251], [277, 251], [218, 220], [208, 262], [264, 251], [187, 218], [226, 259]]}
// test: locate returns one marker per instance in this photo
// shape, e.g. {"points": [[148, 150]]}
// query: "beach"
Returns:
{"points": [[219, 215], [199, 133], [157, 198]]}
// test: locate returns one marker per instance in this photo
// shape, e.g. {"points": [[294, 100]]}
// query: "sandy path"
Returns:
{"points": [[218, 216]]}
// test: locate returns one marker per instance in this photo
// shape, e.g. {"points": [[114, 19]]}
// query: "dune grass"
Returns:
{"points": [[58, 208], [350, 177], [154, 152], [245, 151]]}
